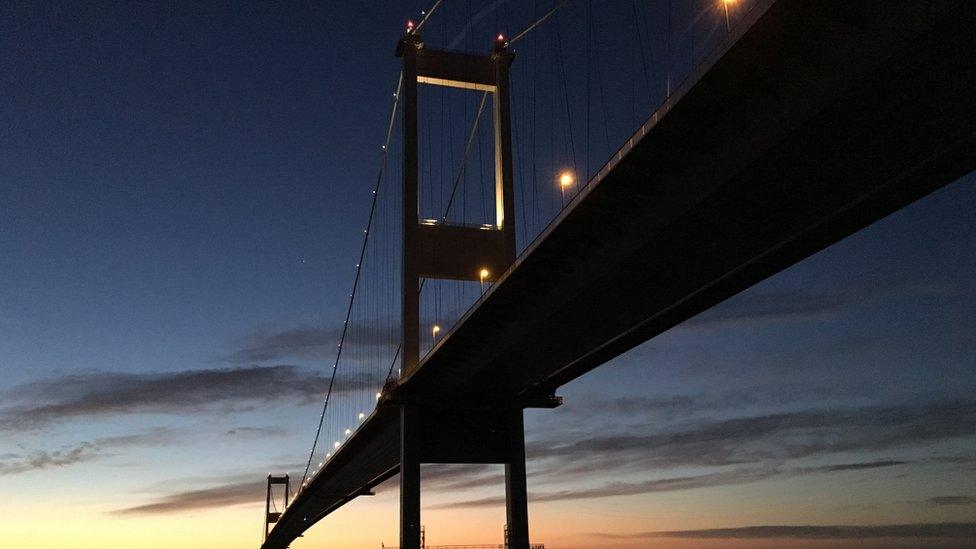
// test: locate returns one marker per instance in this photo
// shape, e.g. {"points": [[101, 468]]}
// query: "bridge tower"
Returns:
{"points": [[441, 250], [269, 516], [456, 432]]}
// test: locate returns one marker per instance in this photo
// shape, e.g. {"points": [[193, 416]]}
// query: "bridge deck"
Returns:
{"points": [[821, 118]]}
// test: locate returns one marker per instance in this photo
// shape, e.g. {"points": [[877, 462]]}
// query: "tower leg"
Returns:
{"points": [[516, 500], [409, 478]]}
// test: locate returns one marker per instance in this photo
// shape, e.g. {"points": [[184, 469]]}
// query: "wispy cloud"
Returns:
{"points": [[225, 495], [730, 451], [673, 484], [76, 396], [945, 530], [241, 488], [255, 432], [668, 407], [751, 439], [799, 304], [308, 342], [453, 478], [952, 500], [757, 448], [12, 464]]}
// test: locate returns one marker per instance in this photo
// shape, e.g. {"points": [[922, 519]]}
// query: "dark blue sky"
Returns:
{"points": [[183, 187], [162, 164]]}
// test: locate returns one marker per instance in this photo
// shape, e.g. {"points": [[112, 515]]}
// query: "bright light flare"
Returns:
{"points": [[566, 179]]}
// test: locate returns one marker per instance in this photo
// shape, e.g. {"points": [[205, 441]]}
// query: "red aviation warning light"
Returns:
{"points": [[501, 43]]}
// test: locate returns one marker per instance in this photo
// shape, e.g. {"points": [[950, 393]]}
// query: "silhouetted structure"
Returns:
{"points": [[271, 517], [814, 120]]}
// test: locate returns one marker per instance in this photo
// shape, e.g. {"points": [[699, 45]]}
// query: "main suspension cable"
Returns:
{"points": [[538, 22], [427, 15], [359, 266]]}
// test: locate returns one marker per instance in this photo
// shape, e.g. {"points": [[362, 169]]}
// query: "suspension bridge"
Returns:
{"points": [[522, 232]]}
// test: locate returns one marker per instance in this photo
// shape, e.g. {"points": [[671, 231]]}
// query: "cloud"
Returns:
{"points": [[952, 500], [946, 530], [757, 448], [243, 489], [43, 459], [759, 438], [753, 307], [104, 394], [311, 342], [237, 489], [745, 449], [13, 464], [255, 432], [456, 477], [225, 495], [674, 484], [674, 406]]}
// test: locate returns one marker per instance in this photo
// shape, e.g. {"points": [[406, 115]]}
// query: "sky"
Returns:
{"points": [[182, 194]]}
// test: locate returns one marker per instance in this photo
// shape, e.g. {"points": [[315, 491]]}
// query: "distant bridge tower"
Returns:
{"points": [[456, 431], [271, 517]]}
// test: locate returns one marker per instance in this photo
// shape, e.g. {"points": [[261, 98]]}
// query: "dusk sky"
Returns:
{"points": [[183, 190]]}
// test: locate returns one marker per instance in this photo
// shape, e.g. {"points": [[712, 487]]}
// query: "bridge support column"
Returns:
{"points": [[410, 445], [516, 498]]}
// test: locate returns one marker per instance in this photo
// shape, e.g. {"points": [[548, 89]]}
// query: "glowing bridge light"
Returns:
{"points": [[361, 416], [501, 37], [482, 275], [336, 444], [434, 330], [566, 179], [377, 396], [348, 431]]}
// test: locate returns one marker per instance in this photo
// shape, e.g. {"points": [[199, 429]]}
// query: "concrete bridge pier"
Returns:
{"points": [[462, 435]]}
